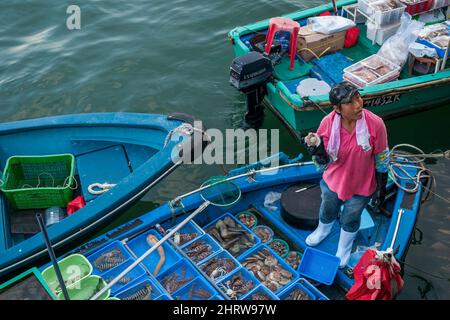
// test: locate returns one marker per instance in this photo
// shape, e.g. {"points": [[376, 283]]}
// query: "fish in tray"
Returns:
{"points": [[267, 269], [298, 294], [198, 250], [231, 236], [109, 260]]}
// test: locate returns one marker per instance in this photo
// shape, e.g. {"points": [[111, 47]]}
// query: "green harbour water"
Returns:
{"points": [[173, 56]]}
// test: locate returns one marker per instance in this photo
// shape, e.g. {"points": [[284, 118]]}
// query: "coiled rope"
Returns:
{"points": [[400, 160]]}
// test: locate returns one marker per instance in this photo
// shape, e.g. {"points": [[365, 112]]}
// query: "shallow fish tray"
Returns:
{"points": [[139, 246], [198, 289], [190, 228], [139, 291], [284, 295], [256, 240], [246, 275], [205, 239], [181, 271], [260, 290], [222, 255], [131, 278], [95, 258], [280, 260]]}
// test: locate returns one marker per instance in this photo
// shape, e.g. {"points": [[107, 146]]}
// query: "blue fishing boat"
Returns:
{"points": [[130, 152], [207, 243]]}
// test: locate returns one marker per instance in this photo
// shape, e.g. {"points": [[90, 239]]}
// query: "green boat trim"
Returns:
{"points": [[23, 277], [391, 99]]}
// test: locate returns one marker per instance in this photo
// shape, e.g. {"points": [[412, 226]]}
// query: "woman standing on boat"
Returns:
{"points": [[351, 146]]}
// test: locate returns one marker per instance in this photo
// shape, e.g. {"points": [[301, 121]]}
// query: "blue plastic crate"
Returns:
{"points": [[190, 227], [163, 297], [140, 287], [179, 274], [319, 266], [131, 278], [244, 274], [217, 297], [139, 246], [440, 51], [112, 246], [240, 252], [191, 291], [280, 260], [222, 255], [283, 295], [205, 239], [319, 294], [260, 290]]}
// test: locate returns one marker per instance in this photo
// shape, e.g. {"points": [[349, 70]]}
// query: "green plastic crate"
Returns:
{"points": [[35, 182]]}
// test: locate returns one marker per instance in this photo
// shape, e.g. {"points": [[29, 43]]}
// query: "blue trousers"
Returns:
{"points": [[330, 207]]}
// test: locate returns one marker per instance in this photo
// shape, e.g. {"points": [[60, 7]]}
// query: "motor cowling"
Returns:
{"points": [[250, 70], [249, 74]]}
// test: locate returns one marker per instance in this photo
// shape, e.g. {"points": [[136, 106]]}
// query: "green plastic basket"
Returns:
{"points": [[35, 182]]}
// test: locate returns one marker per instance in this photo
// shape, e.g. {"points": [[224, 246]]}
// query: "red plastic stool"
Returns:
{"points": [[286, 25]]}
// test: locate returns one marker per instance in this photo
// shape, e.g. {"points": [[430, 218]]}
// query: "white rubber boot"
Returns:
{"points": [[321, 232], [345, 246]]}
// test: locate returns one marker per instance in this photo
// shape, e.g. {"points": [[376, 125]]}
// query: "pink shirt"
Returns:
{"points": [[353, 173]]}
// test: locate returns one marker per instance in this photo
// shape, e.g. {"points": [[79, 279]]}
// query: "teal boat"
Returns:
{"points": [[209, 238], [408, 94]]}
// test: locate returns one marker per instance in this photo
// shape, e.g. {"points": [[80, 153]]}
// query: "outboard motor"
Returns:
{"points": [[249, 74]]}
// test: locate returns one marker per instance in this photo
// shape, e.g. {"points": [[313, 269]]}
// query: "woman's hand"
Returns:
{"points": [[312, 140]]}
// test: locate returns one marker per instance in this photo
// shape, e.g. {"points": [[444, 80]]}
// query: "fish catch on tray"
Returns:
{"points": [[181, 238], [175, 281], [293, 258], [247, 219], [231, 236], [298, 294], [237, 286], [141, 294], [198, 251], [218, 267], [266, 268], [109, 260]]}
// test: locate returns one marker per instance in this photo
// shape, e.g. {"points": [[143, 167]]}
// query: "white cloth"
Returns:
{"points": [[362, 135]]}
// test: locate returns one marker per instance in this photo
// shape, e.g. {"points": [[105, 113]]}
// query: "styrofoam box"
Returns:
{"points": [[363, 5], [381, 17], [387, 17], [381, 34], [395, 72]]}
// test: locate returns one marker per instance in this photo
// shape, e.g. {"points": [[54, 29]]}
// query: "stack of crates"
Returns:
{"points": [[382, 23]]}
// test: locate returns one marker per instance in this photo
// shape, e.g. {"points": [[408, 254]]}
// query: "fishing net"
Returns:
{"points": [[220, 192]]}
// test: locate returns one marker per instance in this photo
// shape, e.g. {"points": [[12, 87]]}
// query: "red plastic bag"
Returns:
{"points": [[375, 278], [75, 205], [351, 37], [325, 13]]}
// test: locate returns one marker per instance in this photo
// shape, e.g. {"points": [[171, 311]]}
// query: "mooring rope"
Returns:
{"points": [[401, 160]]}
